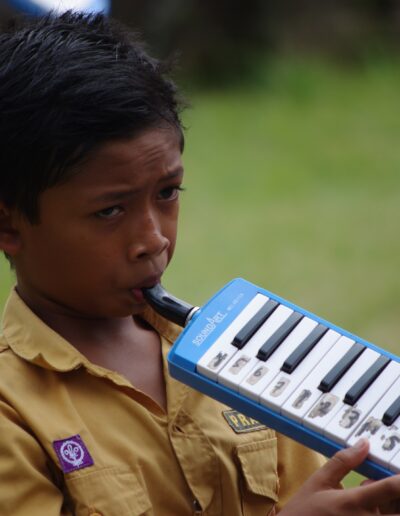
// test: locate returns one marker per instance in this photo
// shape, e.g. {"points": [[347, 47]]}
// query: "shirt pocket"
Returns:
{"points": [[258, 463], [113, 491]]}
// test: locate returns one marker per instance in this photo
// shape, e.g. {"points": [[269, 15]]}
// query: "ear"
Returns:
{"points": [[10, 241]]}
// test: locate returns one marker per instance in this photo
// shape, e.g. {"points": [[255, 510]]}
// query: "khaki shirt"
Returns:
{"points": [[78, 439]]}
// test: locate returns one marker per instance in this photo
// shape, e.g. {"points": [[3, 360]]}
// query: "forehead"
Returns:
{"points": [[152, 155]]}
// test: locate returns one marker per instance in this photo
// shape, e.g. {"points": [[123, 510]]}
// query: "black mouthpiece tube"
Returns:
{"points": [[169, 306]]}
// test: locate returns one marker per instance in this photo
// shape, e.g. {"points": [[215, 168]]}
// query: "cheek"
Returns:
{"points": [[54, 253], [171, 232]]}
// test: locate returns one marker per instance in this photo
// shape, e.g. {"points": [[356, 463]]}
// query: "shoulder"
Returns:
{"points": [[19, 378]]}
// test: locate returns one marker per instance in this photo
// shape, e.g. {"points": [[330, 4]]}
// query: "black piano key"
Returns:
{"points": [[302, 350], [357, 390], [334, 375], [279, 336], [392, 413], [250, 328]]}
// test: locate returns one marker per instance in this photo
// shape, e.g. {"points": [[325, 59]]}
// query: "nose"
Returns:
{"points": [[148, 241]]}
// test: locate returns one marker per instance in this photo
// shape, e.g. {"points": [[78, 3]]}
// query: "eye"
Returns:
{"points": [[109, 213], [170, 193]]}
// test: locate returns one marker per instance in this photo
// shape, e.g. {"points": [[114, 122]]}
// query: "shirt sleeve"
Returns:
{"points": [[295, 464], [26, 484]]}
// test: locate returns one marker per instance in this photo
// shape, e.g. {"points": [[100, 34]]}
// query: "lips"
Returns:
{"points": [[148, 283], [138, 295]]}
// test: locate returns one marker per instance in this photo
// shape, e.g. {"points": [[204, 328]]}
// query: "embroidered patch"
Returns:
{"points": [[72, 454], [241, 423]]}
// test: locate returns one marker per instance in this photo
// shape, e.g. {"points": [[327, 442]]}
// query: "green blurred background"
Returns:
{"points": [[292, 153]]}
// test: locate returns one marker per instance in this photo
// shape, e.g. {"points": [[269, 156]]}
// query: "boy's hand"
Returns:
{"points": [[322, 494]]}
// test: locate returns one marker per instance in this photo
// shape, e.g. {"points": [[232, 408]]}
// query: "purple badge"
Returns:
{"points": [[72, 453]]}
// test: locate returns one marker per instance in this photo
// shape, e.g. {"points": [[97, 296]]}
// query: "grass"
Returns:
{"points": [[300, 194], [6, 281], [294, 184]]}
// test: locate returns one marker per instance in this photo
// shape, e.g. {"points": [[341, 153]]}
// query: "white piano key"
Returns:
{"points": [[284, 384], [263, 373], [291, 342], [331, 402], [373, 422], [385, 444], [244, 361], [394, 463], [296, 392], [307, 393], [222, 350], [348, 418], [249, 329], [255, 382]]}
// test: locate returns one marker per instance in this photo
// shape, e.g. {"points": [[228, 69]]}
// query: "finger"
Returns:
{"points": [[367, 482], [342, 463], [380, 492]]}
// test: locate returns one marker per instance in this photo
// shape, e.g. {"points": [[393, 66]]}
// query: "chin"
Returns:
{"points": [[116, 311], [129, 309], [115, 305]]}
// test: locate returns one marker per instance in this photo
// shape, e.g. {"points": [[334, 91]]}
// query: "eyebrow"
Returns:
{"points": [[121, 195]]}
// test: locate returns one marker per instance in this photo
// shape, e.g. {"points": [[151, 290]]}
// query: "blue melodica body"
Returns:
{"points": [[208, 327]]}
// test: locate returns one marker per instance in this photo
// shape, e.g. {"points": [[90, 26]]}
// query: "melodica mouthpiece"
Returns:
{"points": [[169, 306]]}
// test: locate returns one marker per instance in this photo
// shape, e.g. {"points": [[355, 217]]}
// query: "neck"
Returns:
{"points": [[78, 329]]}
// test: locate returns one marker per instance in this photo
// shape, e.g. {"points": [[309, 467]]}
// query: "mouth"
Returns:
{"points": [[137, 291]]}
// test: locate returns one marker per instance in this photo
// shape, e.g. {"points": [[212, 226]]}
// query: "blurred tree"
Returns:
{"points": [[214, 38], [221, 40]]}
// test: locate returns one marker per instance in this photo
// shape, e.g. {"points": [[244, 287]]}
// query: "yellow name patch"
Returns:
{"points": [[241, 423]]}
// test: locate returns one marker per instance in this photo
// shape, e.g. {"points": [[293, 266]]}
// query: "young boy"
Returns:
{"points": [[90, 422]]}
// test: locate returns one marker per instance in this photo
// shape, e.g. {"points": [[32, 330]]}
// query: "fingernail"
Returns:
{"points": [[361, 443]]}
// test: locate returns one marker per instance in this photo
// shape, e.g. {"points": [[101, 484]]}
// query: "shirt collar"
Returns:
{"points": [[31, 339]]}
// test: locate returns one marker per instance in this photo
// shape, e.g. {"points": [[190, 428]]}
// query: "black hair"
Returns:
{"points": [[69, 83]]}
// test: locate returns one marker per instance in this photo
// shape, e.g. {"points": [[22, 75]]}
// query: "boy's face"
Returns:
{"points": [[105, 233]]}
